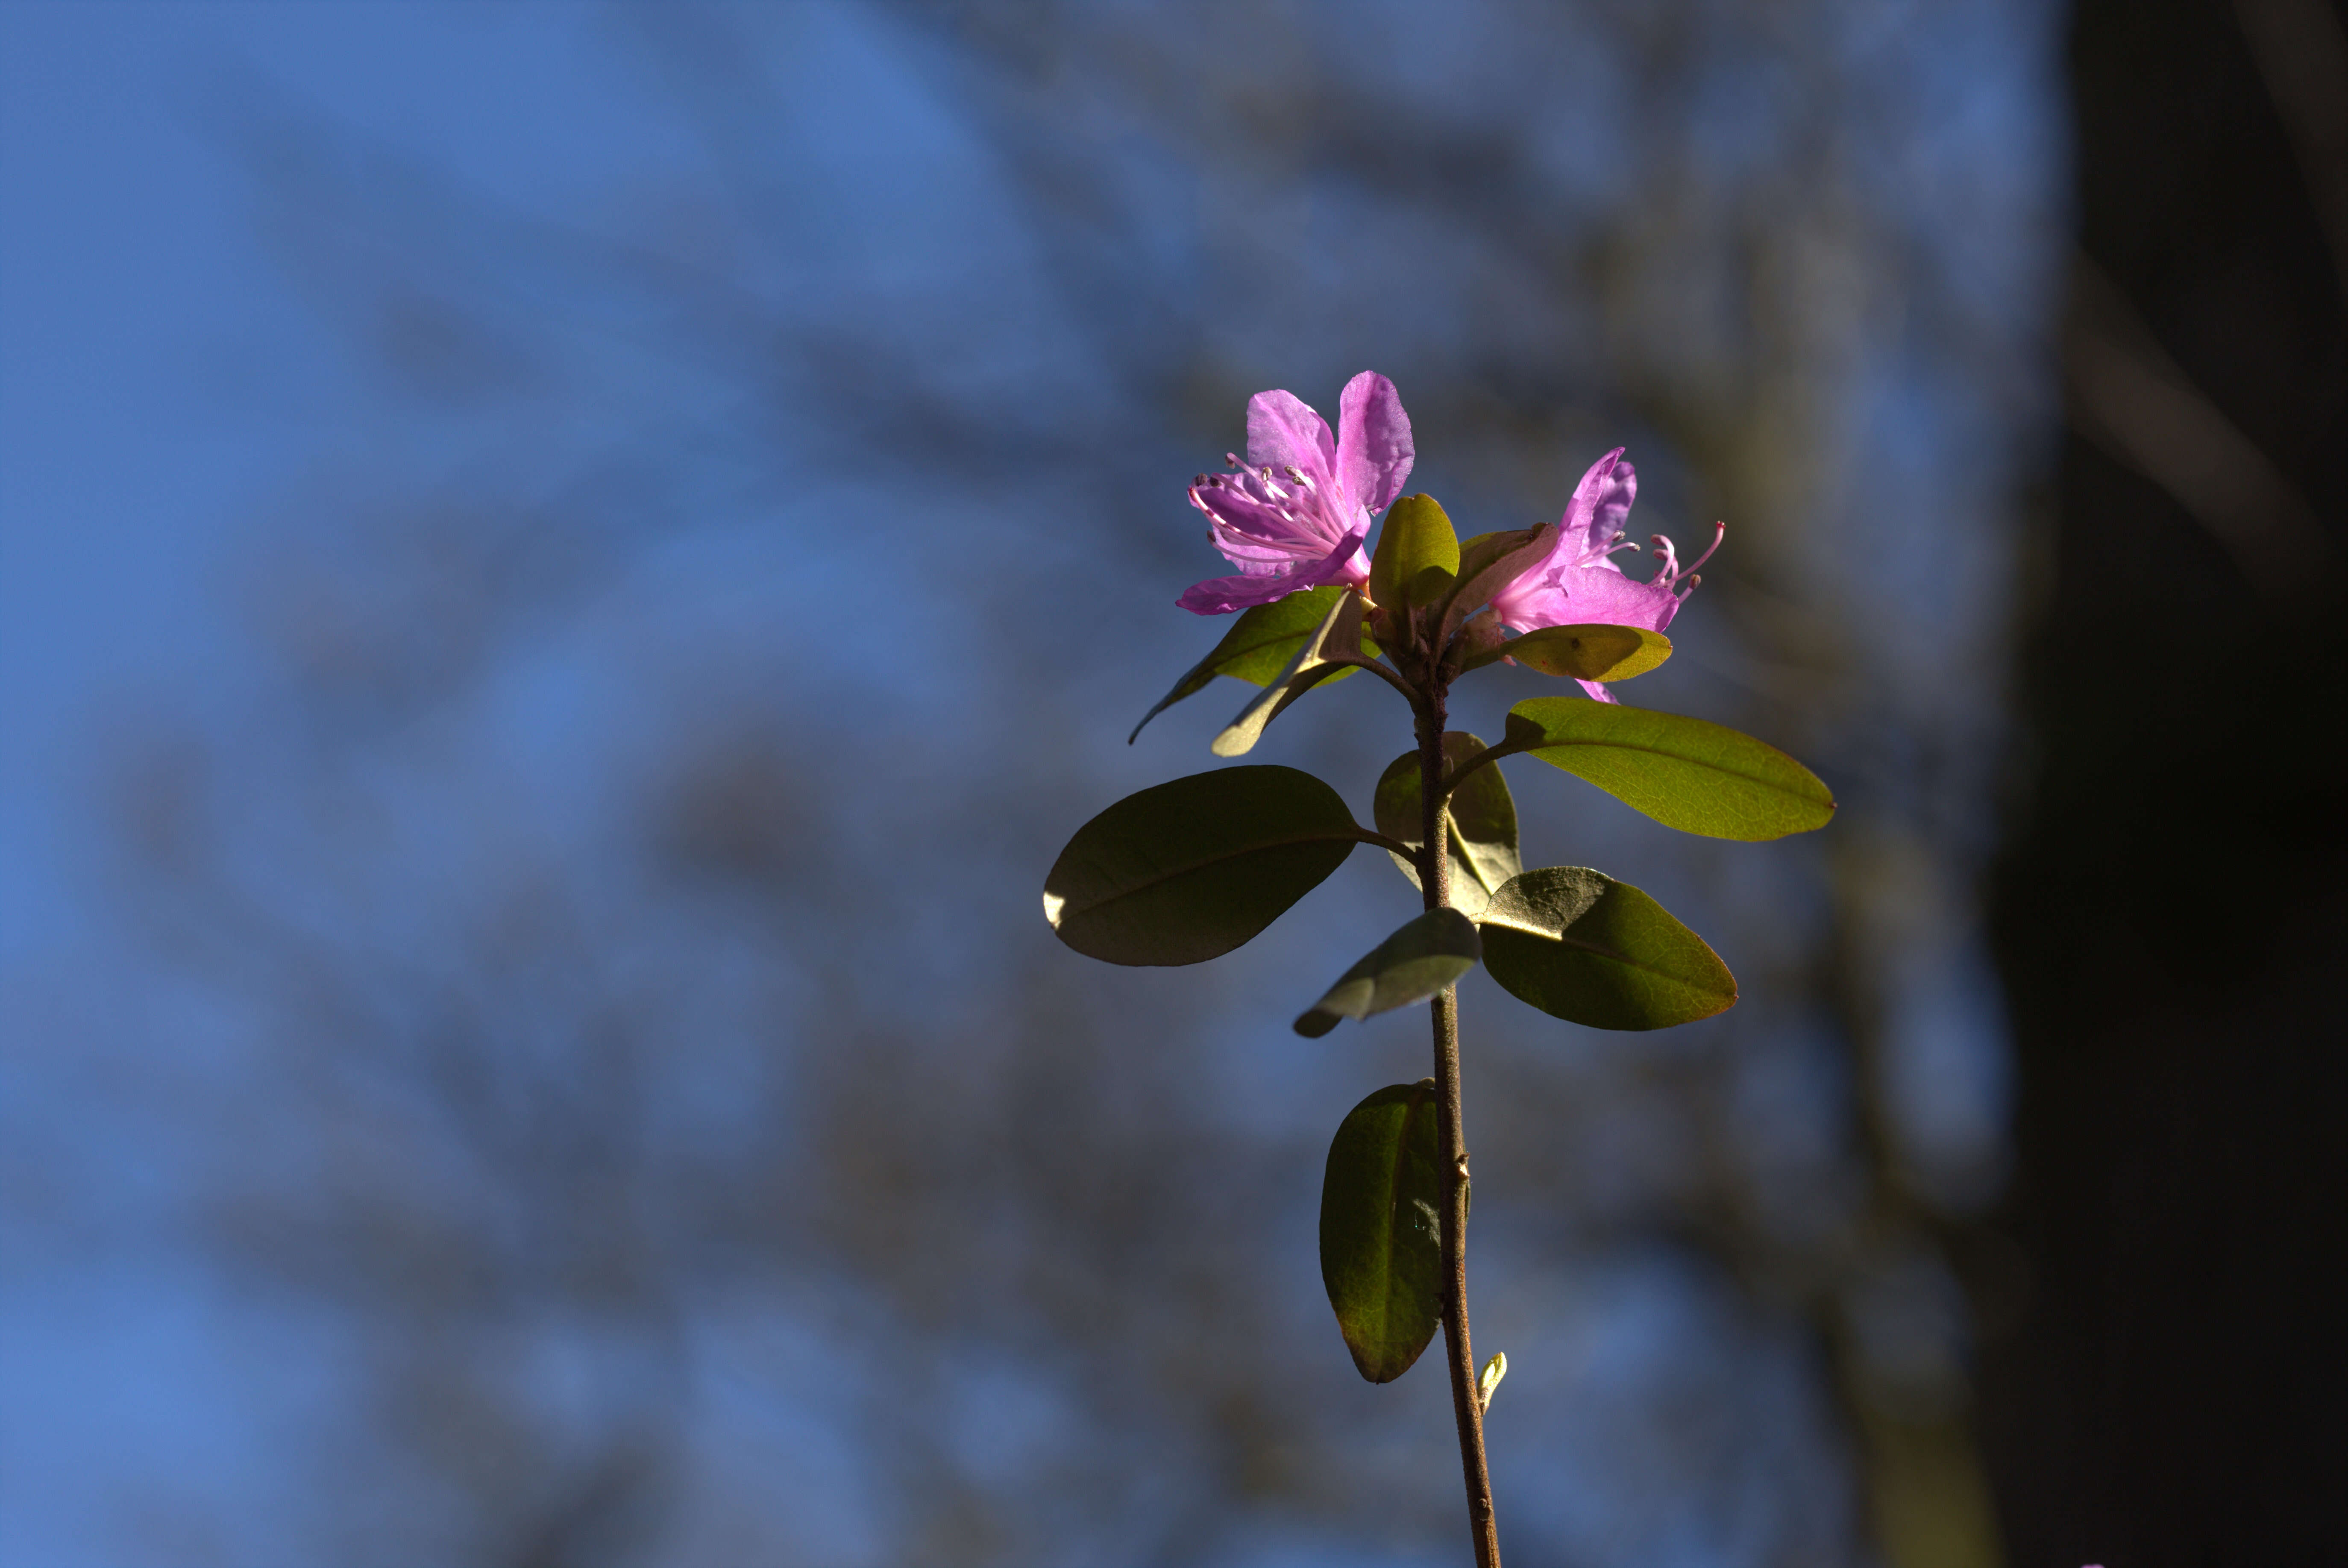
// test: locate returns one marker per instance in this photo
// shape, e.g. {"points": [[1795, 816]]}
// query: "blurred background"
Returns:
{"points": [[568, 567]]}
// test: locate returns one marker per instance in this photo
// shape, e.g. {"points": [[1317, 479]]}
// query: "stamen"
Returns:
{"points": [[1669, 555], [1719, 532]]}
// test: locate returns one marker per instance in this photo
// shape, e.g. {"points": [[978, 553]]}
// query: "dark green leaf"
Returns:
{"points": [[1685, 773], [1381, 1241], [1339, 636], [1258, 646], [1191, 869], [1594, 653], [1424, 957], [1488, 563], [1417, 539], [1588, 949], [1483, 822]]}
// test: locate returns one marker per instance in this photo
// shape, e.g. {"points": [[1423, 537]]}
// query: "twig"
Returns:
{"points": [[1435, 879]]}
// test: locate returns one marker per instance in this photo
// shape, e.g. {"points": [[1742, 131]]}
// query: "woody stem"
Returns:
{"points": [[1435, 880]]}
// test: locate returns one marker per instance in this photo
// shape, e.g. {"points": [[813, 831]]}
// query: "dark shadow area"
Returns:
{"points": [[2172, 913]]}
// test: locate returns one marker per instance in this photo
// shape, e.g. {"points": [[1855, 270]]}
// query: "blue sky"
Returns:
{"points": [[129, 275], [159, 381]]}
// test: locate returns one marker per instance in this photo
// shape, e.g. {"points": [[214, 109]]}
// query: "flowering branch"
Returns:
{"points": [[1191, 869]]}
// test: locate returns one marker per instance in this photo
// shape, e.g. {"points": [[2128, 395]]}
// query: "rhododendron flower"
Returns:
{"points": [[1579, 585], [1294, 515]]}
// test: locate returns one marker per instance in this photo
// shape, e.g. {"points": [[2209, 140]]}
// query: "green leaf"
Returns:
{"points": [[1488, 563], [1189, 870], [1590, 950], [1416, 550], [1258, 646], [1339, 636], [1425, 957], [1594, 653], [1381, 1237], [1430, 584], [1685, 773], [1483, 822]]}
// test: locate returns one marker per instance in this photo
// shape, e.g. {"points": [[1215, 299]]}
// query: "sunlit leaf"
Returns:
{"points": [[1339, 636], [1190, 869], [1593, 653], [1424, 957], [1483, 822], [1417, 552], [1685, 773], [1381, 1236], [1258, 646], [1583, 947]]}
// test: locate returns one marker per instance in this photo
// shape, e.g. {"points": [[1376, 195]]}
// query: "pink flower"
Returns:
{"points": [[1579, 585], [1296, 514]]}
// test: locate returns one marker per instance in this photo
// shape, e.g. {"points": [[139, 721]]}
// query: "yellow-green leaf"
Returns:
{"points": [[1685, 773], [1592, 652], [1415, 541]]}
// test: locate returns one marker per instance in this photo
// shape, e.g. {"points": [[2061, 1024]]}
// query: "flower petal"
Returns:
{"points": [[1284, 433], [1584, 595], [1600, 507], [1221, 595], [1374, 447]]}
